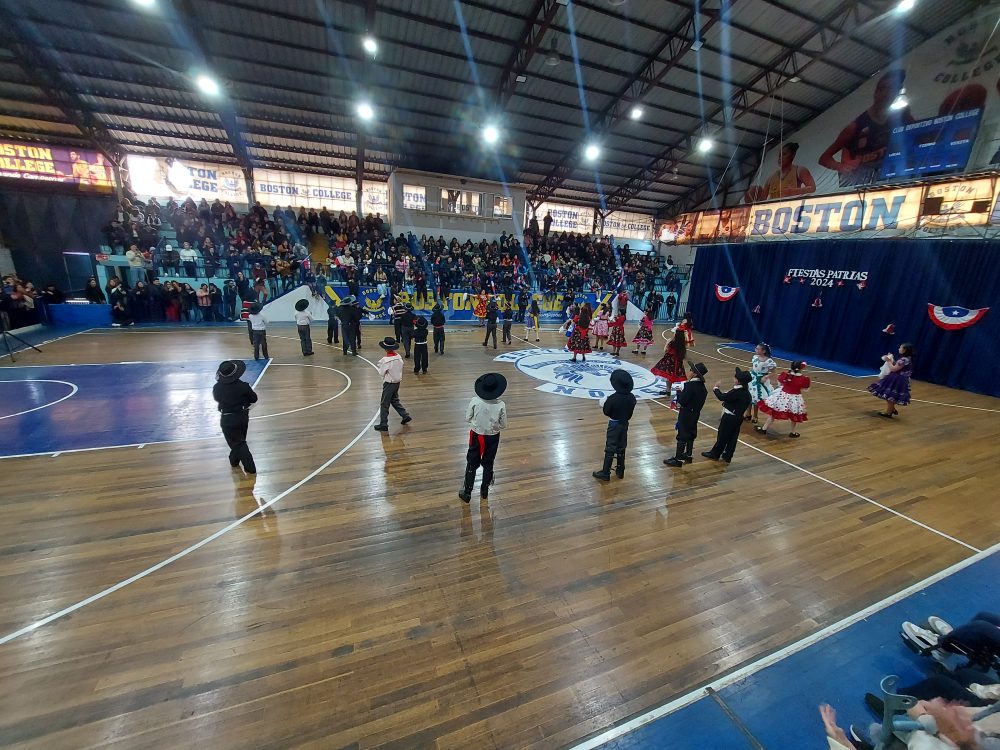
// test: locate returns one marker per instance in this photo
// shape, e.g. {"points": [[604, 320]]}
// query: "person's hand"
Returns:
{"points": [[829, 716], [718, 385], [952, 722]]}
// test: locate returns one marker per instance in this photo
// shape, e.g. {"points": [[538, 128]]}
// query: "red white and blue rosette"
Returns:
{"points": [[954, 317], [725, 293]]}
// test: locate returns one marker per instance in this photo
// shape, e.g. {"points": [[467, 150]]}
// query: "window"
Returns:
{"points": [[461, 202], [415, 197], [502, 208]]}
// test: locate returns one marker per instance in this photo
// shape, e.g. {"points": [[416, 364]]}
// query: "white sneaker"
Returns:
{"points": [[938, 625], [921, 636]]}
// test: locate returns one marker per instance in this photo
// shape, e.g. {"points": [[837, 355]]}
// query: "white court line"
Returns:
{"points": [[311, 406], [43, 406], [766, 661], [263, 370], [194, 547], [50, 341], [840, 487]]}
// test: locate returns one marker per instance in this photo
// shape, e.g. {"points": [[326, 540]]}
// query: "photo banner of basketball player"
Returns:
{"points": [[165, 177], [73, 168], [935, 111]]}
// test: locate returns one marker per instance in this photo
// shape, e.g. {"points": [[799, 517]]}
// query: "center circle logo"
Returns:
{"points": [[590, 379]]}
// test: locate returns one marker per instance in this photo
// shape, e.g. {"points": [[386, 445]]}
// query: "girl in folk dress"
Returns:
{"points": [[687, 325], [479, 311], [531, 321], [787, 402], [616, 339], [762, 369], [601, 326], [644, 336], [579, 342], [671, 364], [894, 388]]}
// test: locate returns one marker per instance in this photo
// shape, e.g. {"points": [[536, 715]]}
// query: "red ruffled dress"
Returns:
{"points": [[787, 402], [579, 340], [670, 366]]}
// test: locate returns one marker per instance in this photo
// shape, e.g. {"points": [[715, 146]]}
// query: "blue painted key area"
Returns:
{"points": [[778, 704], [113, 404], [824, 364]]}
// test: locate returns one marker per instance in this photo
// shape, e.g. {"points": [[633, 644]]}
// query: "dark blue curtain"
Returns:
{"points": [[38, 227], [903, 277]]}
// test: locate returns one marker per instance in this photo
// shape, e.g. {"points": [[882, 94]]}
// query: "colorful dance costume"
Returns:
{"points": [[760, 383], [644, 336], [616, 338], [479, 311], [786, 402], [579, 341], [686, 326], [670, 366], [600, 327], [895, 386]]}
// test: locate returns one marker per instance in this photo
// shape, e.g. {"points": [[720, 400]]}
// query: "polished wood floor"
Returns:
{"points": [[370, 608]]}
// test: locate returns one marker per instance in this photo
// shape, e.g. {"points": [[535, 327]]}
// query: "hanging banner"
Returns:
{"points": [[75, 168], [952, 207], [273, 187], [566, 218], [376, 198], [180, 179], [628, 226]]}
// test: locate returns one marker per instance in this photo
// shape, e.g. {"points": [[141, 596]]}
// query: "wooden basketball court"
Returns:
{"points": [[368, 607]]}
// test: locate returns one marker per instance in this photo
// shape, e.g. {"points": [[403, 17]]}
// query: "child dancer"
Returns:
{"points": [[531, 321], [894, 388], [437, 321], [671, 364], [390, 368], [420, 345], [734, 404], [579, 342], [644, 336], [762, 369], [508, 321], [479, 310], [600, 326], [258, 330], [687, 325], [787, 402], [618, 408], [617, 338], [303, 324], [486, 415], [690, 401]]}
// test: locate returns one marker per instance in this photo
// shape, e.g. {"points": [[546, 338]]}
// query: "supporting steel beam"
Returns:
{"points": [[530, 38]]}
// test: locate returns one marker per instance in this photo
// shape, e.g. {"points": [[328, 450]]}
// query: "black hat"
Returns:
{"points": [[255, 308], [408, 306], [437, 306], [699, 368], [348, 300], [490, 386], [621, 381], [389, 344], [231, 370], [743, 376], [302, 304], [420, 322]]}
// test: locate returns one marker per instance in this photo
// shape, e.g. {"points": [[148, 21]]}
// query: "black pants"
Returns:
{"points": [[332, 331], [491, 330], [390, 397], [615, 444], [520, 315], [482, 452], [420, 357], [439, 340], [250, 332], [980, 636], [305, 339], [684, 449], [357, 333], [407, 340], [729, 434], [397, 326], [234, 429], [951, 687], [506, 332], [350, 338], [259, 344]]}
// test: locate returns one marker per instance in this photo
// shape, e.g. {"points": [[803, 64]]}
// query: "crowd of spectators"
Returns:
{"points": [[21, 304]]}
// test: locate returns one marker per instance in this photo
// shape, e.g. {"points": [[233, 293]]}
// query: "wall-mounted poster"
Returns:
{"points": [[74, 168], [169, 177]]}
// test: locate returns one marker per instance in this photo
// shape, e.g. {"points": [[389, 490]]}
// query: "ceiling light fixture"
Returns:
{"points": [[905, 6], [491, 134], [145, 3], [207, 85], [365, 111], [705, 144], [592, 152], [553, 58], [900, 102], [370, 45], [636, 112]]}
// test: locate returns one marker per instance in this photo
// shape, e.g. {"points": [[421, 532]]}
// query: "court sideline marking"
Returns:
{"points": [[259, 510], [773, 658], [50, 341], [43, 406]]}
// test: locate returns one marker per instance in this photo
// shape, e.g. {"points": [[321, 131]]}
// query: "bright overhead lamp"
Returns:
{"points": [[794, 79], [705, 145], [636, 112], [592, 152], [145, 3], [370, 45], [365, 111], [905, 6], [900, 102], [491, 134], [207, 85]]}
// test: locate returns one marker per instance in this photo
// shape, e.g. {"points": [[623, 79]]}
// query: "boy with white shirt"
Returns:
{"points": [[390, 368], [487, 415], [258, 330], [303, 323]]}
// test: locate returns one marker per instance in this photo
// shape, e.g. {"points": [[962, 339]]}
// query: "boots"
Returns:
{"points": [[466, 492], [620, 469], [679, 458], [484, 488], [605, 472]]}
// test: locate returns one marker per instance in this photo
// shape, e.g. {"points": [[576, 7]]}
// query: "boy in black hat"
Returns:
{"points": [[303, 324], [491, 322], [735, 402], [420, 345], [358, 317], [406, 328], [486, 415], [390, 367], [332, 324], [347, 319], [437, 321], [258, 330], [618, 408], [234, 397], [508, 319], [690, 401]]}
